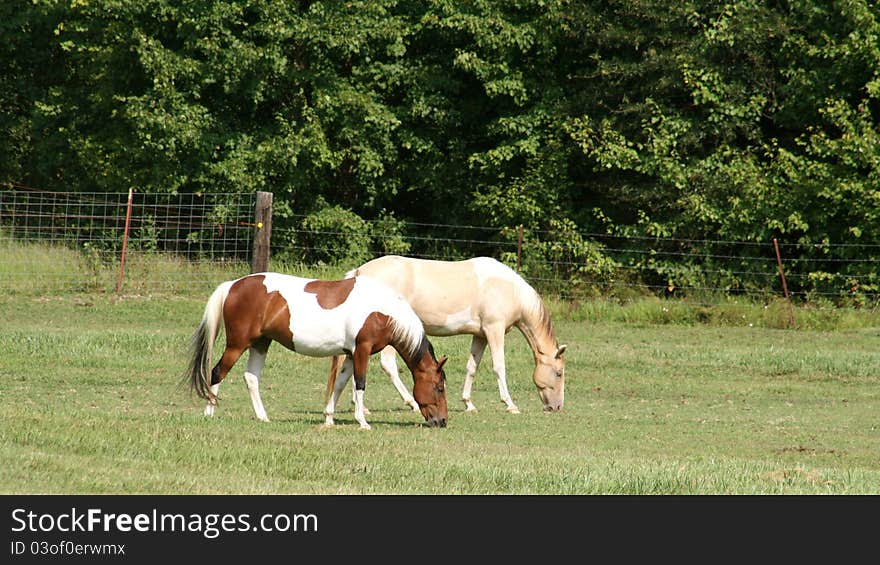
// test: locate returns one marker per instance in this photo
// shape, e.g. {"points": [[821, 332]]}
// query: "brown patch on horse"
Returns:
{"points": [[375, 333], [330, 293], [251, 313], [373, 336]]}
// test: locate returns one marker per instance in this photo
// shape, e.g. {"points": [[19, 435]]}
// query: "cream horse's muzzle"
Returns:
{"points": [[552, 402]]}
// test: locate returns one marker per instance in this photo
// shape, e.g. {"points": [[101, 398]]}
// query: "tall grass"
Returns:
{"points": [[718, 310], [31, 269], [39, 269]]}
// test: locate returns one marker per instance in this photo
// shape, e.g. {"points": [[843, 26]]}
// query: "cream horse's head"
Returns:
{"points": [[550, 379]]}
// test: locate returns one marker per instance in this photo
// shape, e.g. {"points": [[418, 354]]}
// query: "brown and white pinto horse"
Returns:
{"points": [[354, 317], [481, 297]]}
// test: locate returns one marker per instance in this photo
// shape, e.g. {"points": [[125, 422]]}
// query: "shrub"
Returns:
{"points": [[334, 235]]}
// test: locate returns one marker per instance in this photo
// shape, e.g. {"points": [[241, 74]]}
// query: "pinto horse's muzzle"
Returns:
{"points": [[436, 422]]}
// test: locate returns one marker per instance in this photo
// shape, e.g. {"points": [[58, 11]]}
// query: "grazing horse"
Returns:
{"points": [[354, 317], [481, 297]]}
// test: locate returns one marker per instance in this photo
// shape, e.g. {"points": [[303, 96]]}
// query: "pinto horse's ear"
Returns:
{"points": [[560, 351], [440, 362]]}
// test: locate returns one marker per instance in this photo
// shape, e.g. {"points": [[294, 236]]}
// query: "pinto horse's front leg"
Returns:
{"points": [[361, 358]]}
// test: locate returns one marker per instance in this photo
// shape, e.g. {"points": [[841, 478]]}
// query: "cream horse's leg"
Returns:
{"points": [[495, 337], [478, 346], [388, 362], [344, 374], [256, 360]]}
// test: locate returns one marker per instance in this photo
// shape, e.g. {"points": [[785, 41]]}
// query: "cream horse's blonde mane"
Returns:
{"points": [[535, 316], [540, 313]]}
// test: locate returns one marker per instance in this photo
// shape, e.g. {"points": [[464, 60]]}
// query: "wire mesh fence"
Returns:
{"points": [[56, 242], [570, 264]]}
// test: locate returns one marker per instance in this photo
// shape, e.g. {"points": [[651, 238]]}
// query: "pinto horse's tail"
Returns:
{"points": [[202, 345], [335, 363]]}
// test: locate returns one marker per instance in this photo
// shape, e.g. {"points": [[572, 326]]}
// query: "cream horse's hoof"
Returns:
{"points": [[512, 409], [413, 404], [469, 406]]}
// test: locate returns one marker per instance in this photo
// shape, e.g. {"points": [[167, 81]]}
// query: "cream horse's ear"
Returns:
{"points": [[560, 351]]}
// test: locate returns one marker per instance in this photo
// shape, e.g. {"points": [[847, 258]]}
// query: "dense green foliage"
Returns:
{"points": [[698, 120]]}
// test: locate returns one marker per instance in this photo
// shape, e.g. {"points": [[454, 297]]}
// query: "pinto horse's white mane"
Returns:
{"points": [[406, 327]]}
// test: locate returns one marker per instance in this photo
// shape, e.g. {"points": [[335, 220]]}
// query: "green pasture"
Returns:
{"points": [[91, 402]]}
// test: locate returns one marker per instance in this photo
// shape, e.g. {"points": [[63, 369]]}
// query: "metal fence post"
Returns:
{"points": [[262, 232]]}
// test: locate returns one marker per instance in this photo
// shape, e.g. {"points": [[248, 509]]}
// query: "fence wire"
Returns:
{"points": [[73, 241], [55, 242]]}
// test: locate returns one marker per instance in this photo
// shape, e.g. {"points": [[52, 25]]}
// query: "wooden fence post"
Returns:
{"points": [[784, 286], [262, 232], [124, 242]]}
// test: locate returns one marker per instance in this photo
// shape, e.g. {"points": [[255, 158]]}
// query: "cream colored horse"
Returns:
{"points": [[481, 297]]}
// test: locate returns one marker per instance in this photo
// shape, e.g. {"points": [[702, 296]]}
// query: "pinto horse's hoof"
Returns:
{"points": [[513, 410]]}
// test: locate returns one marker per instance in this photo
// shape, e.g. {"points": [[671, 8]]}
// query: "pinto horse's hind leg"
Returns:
{"points": [[256, 360], [221, 369], [212, 404], [388, 362], [341, 380]]}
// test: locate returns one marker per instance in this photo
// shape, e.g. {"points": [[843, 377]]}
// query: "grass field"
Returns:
{"points": [[91, 402]]}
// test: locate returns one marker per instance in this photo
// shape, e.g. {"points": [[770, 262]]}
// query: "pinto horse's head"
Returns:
{"points": [[550, 379], [429, 389]]}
